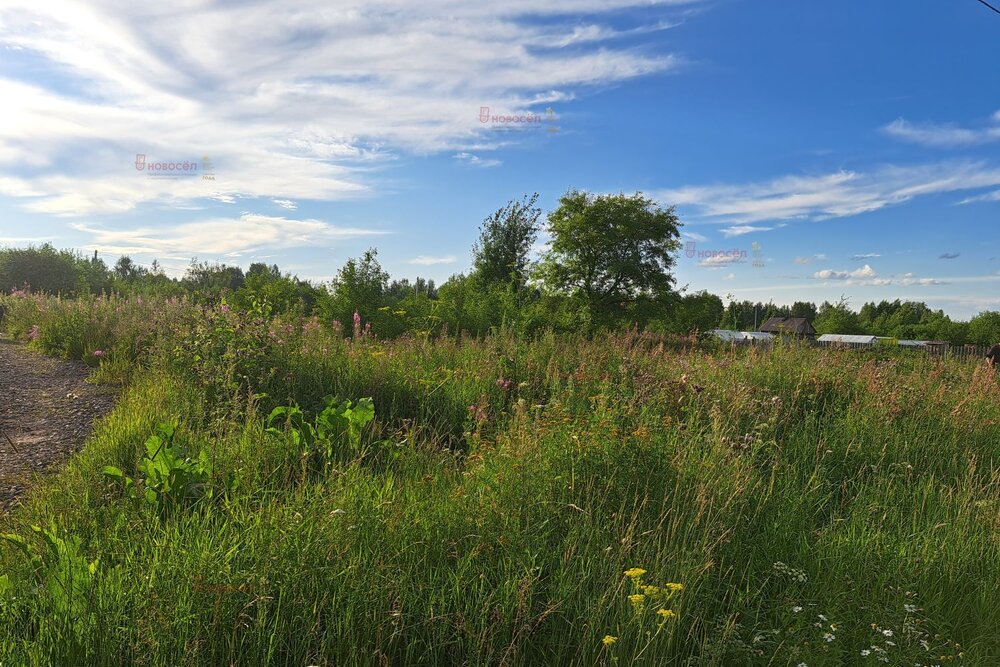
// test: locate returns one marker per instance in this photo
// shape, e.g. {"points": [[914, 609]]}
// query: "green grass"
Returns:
{"points": [[494, 526]]}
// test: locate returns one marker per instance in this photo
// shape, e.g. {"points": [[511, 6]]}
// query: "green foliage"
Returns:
{"points": [[335, 434], [170, 479], [500, 257], [64, 580], [612, 253], [534, 473], [42, 269]]}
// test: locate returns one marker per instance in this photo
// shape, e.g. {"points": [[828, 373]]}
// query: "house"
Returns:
{"points": [[798, 327], [847, 340], [728, 336]]}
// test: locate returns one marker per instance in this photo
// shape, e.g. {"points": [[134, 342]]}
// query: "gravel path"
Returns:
{"points": [[47, 410]]}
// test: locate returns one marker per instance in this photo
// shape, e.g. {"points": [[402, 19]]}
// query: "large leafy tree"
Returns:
{"points": [[613, 253], [500, 257]]}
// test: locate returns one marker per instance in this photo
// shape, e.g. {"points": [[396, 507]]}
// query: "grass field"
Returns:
{"points": [[626, 500]]}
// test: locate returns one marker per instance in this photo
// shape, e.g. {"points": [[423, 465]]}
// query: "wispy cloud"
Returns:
{"points": [[740, 230], [809, 259], [285, 203], [423, 260], [231, 237], [866, 255], [949, 255], [942, 135], [835, 195], [476, 161], [294, 100]]}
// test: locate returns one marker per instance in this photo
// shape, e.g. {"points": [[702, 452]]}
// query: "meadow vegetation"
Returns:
{"points": [[281, 488]]}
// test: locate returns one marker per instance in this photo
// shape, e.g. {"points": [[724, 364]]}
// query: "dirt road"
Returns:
{"points": [[47, 410]]}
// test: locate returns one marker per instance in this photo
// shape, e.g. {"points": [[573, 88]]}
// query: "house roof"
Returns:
{"points": [[847, 338], [731, 336], [791, 325]]}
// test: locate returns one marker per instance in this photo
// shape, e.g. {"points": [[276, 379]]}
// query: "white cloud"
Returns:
{"points": [[866, 255], [989, 196], [726, 258], [424, 260], [829, 274], [840, 194], [220, 236], [739, 230], [476, 161], [291, 99], [285, 203], [940, 134], [694, 236]]}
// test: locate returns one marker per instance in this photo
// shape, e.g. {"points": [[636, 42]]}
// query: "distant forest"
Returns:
{"points": [[610, 265]]}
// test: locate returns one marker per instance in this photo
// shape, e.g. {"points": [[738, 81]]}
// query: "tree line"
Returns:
{"points": [[609, 264]]}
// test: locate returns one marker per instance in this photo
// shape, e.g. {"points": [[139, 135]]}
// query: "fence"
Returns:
{"points": [[942, 351]]}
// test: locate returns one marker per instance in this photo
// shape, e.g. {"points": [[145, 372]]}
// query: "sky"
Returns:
{"points": [[813, 151]]}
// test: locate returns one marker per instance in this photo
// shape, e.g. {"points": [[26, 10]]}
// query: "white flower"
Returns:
{"points": [[822, 617], [887, 633], [828, 637], [889, 643], [910, 607], [865, 653], [796, 609]]}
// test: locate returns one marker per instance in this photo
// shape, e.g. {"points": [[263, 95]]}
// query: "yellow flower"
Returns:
{"points": [[651, 590], [667, 614], [675, 587], [635, 573], [638, 601], [609, 640]]}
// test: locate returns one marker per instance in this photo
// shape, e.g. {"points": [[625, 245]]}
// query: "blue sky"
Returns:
{"points": [[834, 149]]}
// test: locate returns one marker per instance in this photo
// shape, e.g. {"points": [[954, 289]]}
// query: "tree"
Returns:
{"points": [[127, 270], [505, 239], [612, 253], [837, 318], [42, 269], [984, 328]]}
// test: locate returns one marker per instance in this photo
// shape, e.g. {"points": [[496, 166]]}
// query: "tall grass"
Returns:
{"points": [[818, 507]]}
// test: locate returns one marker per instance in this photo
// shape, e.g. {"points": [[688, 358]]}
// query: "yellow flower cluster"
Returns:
{"points": [[635, 573], [609, 640]]}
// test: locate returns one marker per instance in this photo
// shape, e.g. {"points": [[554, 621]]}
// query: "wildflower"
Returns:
{"points": [[651, 590], [635, 573], [98, 353], [910, 607], [357, 318], [638, 601], [673, 588], [887, 633], [829, 637], [609, 640], [667, 614], [33, 334], [796, 609], [865, 653]]}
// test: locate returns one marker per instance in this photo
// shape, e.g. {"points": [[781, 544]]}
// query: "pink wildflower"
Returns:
{"points": [[98, 353]]}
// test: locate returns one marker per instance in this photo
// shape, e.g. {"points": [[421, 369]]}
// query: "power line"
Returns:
{"points": [[989, 5]]}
